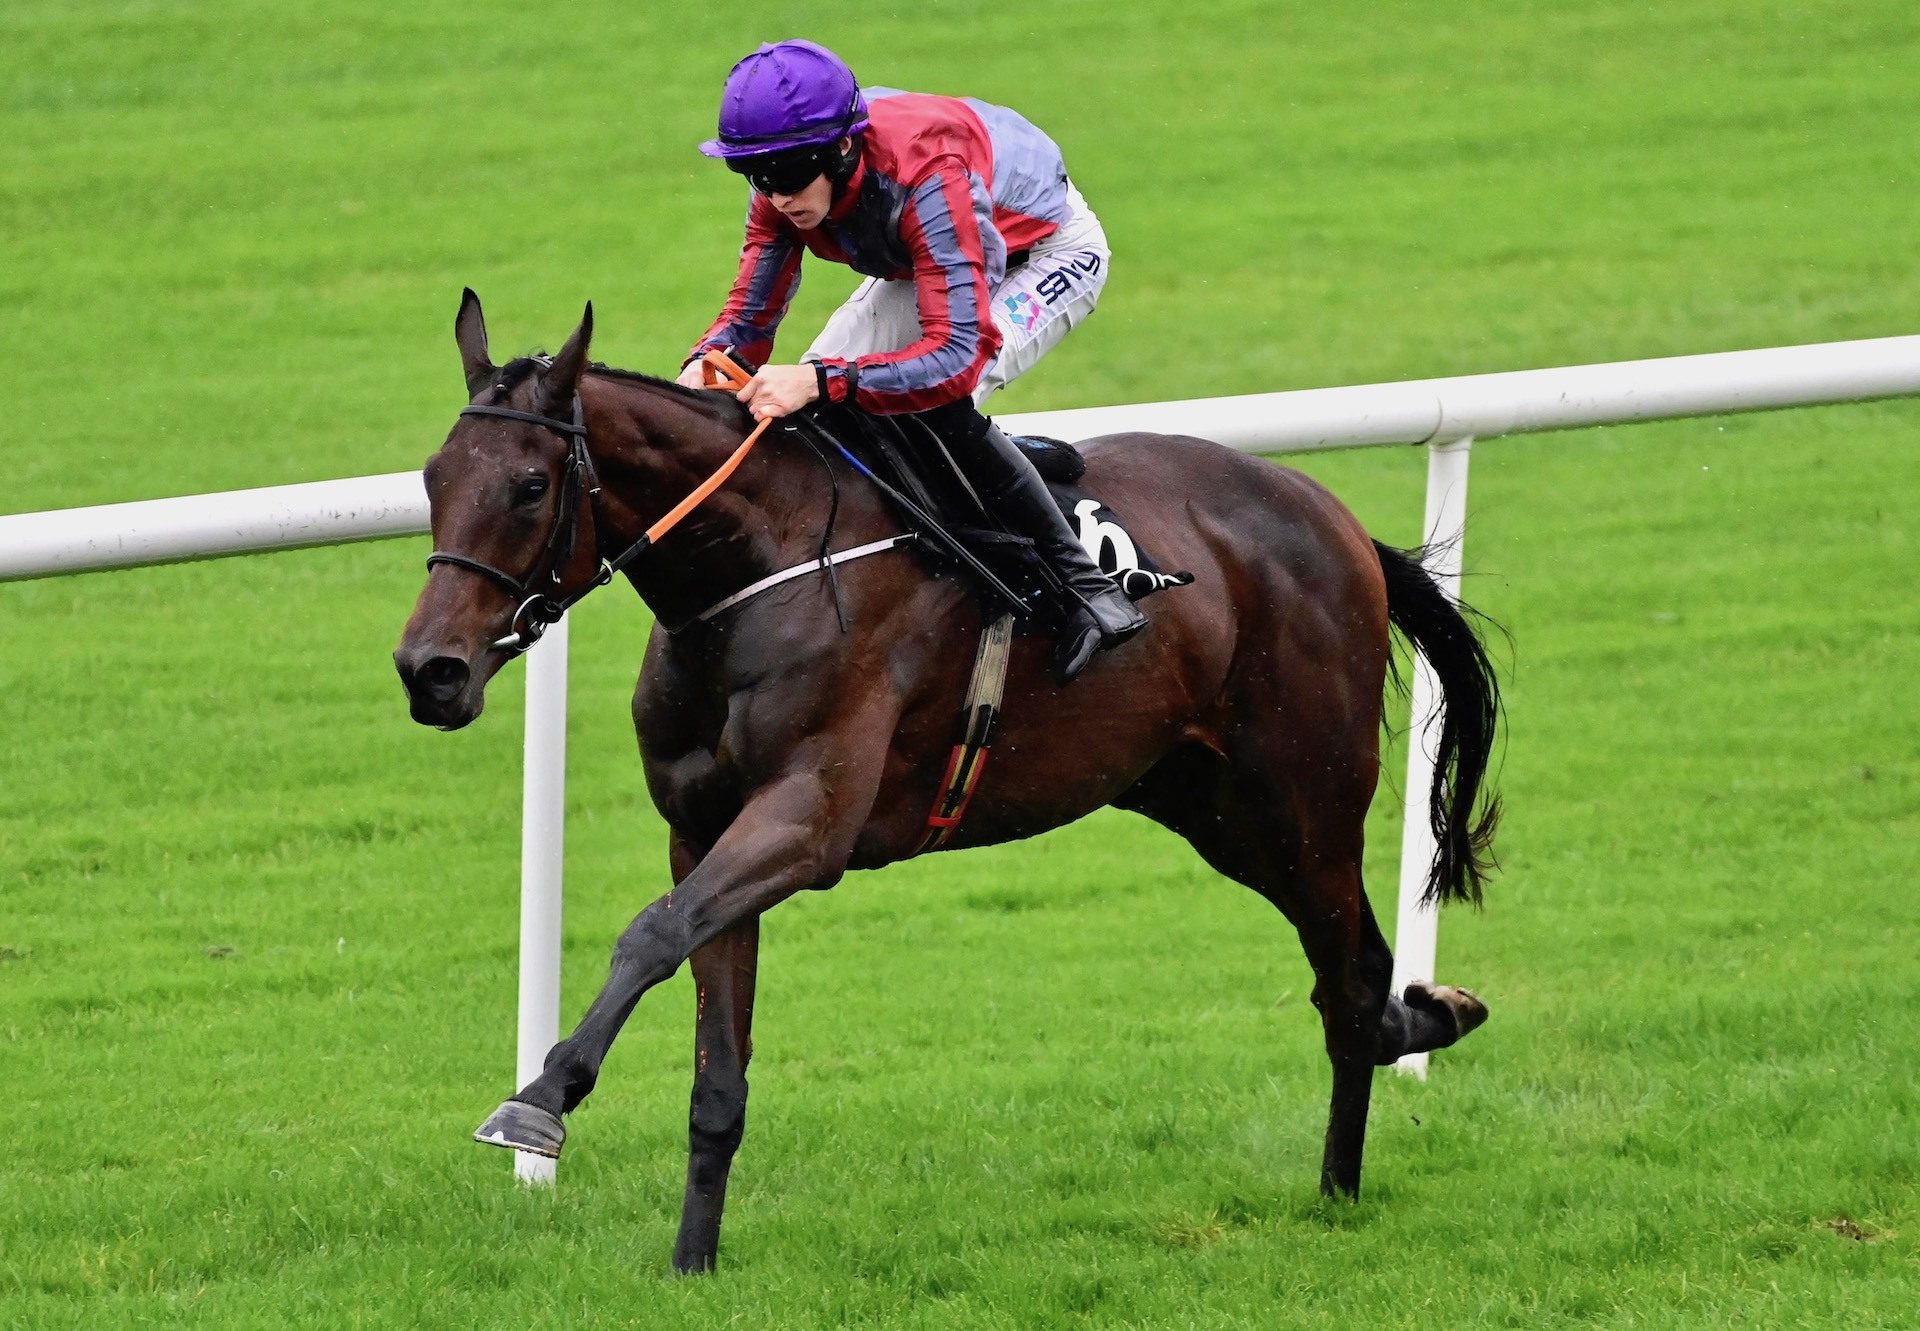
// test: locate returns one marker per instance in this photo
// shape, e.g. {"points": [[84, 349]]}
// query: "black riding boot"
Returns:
{"points": [[1012, 490]]}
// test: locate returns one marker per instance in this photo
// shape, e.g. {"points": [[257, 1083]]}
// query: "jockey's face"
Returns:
{"points": [[796, 182], [808, 208]]}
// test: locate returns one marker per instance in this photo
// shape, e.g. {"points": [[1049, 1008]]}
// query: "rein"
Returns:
{"points": [[539, 611]]}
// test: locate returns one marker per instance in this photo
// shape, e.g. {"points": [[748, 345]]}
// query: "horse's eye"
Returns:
{"points": [[530, 490]]}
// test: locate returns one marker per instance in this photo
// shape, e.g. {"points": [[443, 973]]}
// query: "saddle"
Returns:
{"points": [[909, 455]]}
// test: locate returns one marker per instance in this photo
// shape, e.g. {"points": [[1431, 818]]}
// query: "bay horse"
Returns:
{"points": [[784, 747]]}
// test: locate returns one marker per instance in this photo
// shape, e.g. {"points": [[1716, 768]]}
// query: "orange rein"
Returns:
{"points": [[720, 372]]}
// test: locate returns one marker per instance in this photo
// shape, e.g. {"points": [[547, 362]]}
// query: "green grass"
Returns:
{"points": [[257, 930]]}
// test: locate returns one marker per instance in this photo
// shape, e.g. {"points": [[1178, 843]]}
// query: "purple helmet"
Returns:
{"points": [[792, 94]]}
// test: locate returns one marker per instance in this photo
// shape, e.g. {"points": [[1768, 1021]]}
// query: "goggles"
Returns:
{"points": [[786, 172]]}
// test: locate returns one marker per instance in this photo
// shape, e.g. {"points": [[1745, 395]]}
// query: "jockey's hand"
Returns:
{"points": [[780, 390], [693, 375]]}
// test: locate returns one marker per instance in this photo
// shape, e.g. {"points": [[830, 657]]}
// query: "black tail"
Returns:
{"points": [[1439, 630]]}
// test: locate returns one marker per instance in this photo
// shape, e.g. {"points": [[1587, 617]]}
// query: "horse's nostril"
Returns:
{"points": [[443, 678]]}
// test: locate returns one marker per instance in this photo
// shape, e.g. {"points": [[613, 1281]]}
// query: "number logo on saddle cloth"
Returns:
{"points": [[1112, 547], [1105, 536]]}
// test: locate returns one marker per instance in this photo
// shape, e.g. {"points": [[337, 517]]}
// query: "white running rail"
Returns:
{"points": [[1445, 414]]}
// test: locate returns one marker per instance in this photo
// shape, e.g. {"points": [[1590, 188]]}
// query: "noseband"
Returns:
{"points": [[538, 610]]}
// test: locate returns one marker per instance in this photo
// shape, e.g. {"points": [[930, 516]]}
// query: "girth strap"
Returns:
{"points": [[773, 580]]}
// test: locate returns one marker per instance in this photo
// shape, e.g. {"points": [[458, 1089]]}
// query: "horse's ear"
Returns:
{"points": [[470, 333], [563, 380]]}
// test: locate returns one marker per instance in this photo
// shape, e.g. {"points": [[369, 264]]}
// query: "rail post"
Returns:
{"points": [[542, 845], [1417, 926]]}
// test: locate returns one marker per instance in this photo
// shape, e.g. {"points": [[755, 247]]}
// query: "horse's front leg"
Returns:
{"points": [[723, 976], [796, 831], [723, 973]]}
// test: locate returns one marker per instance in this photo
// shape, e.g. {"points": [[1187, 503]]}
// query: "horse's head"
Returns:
{"points": [[512, 523]]}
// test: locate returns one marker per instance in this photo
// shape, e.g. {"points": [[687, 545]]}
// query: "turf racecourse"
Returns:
{"points": [[257, 931]]}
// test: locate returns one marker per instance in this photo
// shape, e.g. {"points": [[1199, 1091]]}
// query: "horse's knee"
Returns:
{"points": [[658, 940], [717, 1117]]}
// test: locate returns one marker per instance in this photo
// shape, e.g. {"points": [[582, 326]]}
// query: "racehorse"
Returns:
{"points": [[803, 732]]}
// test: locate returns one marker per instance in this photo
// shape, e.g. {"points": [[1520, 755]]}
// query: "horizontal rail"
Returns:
{"points": [[1481, 406], [233, 522], [159, 531]]}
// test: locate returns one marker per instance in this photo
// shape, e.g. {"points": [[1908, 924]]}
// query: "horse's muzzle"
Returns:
{"points": [[439, 688]]}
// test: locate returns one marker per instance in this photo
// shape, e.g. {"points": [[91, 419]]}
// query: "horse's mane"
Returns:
{"points": [[715, 406]]}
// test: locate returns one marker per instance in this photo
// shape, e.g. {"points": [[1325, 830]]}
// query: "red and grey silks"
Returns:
{"points": [[946, 189]]}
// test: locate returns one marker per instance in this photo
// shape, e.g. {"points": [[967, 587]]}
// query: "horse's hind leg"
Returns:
{"points": [[1300, 848], [723, 975], [1352, 971], [1306, 861], [1366, 1025]]}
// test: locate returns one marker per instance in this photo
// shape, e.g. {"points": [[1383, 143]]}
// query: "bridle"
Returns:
{"points": [[540, 610]]}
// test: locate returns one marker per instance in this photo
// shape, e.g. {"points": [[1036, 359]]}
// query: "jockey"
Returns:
{"points": [[979, 255]]}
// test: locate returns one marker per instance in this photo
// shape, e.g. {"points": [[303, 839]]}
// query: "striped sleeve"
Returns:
{"points": [[769, 275], [941, 230]]}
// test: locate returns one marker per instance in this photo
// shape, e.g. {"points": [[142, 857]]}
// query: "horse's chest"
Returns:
{"points": [[680, 751], [694, 793]]}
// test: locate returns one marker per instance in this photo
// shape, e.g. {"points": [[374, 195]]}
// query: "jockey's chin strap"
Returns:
{"points": [[540, 610]]}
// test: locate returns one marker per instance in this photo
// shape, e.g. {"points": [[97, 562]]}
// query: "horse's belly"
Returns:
{"points": [[1058, 754]]}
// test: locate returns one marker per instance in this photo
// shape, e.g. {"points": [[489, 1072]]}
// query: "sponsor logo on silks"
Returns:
{"points": [[1023, 311], [1061, 280]]}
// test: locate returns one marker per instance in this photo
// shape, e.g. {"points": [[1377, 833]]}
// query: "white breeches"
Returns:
{"points": [[1034, 306]]}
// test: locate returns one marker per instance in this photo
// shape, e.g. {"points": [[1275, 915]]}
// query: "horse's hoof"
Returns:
{"points": [[519, 1126], [693, 1265], [1462, 1006]]}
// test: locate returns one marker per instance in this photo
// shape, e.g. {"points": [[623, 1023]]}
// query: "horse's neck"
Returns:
{"points": [[653, 448]]}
